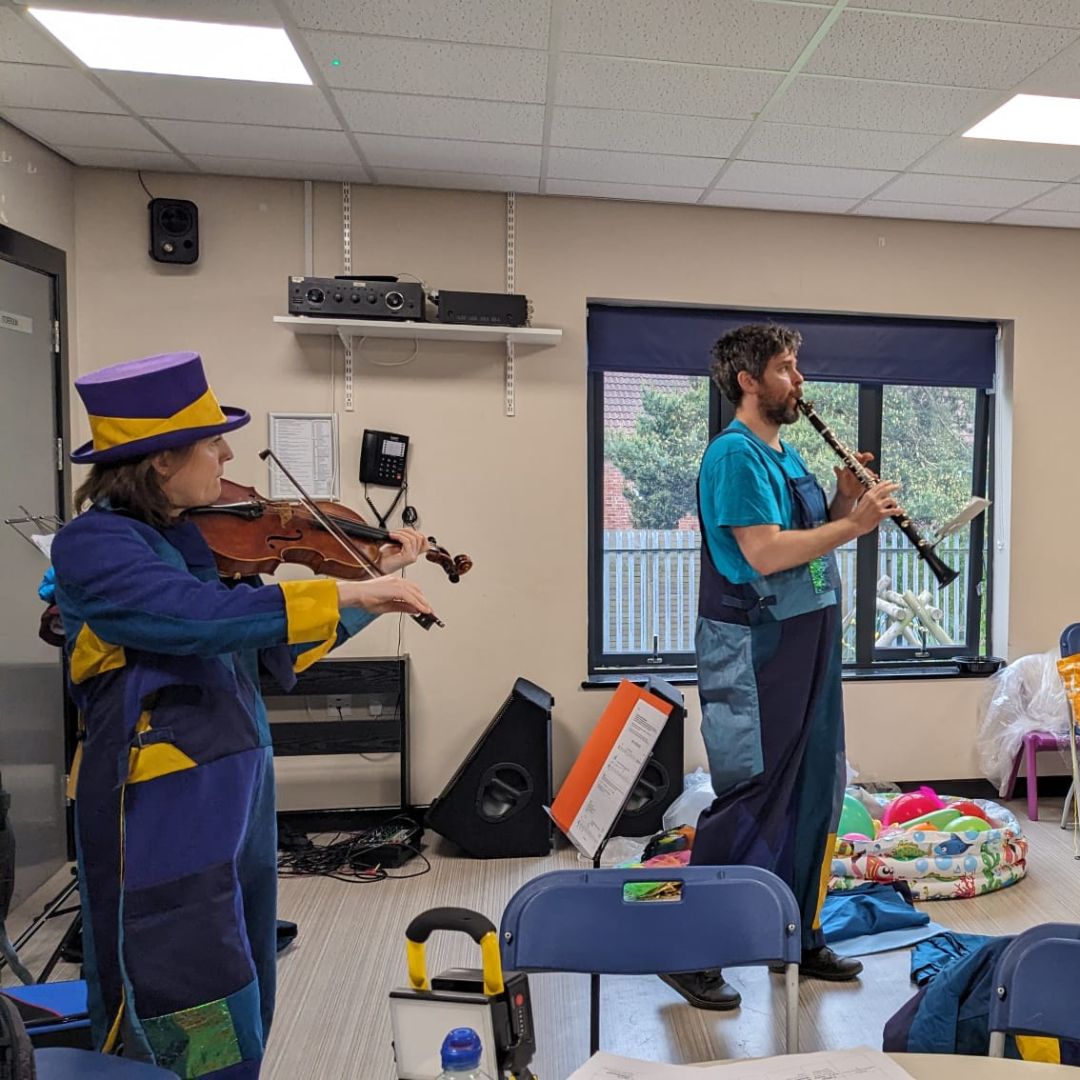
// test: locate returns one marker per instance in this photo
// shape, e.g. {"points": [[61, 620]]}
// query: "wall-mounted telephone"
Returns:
{"points": [[382, 458]]}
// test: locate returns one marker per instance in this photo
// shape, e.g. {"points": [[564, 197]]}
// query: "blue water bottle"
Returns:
{"points": [[461, 1053]]}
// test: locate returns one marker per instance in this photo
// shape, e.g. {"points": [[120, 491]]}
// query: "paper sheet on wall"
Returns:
{"points": [[307, 444], [860, 1063]]}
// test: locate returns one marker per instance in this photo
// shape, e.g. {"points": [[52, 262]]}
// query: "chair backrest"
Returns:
{"points": [[580, 921], [1070, 639], [1036, 983]]}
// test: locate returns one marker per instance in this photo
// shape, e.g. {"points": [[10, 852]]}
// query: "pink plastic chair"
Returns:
{"points": [[1034, 741]]}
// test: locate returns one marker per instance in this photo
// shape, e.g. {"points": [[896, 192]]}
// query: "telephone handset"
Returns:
{"points": [[382, 458]]}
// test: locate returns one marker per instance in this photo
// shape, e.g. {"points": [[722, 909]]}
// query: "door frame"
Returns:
{"points": [[25, 251]]}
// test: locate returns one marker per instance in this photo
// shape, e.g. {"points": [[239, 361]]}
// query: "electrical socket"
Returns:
{"points": [[339, 706]]}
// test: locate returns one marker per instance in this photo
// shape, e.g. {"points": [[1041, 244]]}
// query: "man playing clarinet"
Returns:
{"points": [[768, 642]]}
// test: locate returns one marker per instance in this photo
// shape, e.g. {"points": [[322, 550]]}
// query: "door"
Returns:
{"points": [[31, 679]]}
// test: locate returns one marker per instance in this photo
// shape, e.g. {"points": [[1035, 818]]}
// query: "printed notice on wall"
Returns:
{"points": [[10, 321], [307, 445]]}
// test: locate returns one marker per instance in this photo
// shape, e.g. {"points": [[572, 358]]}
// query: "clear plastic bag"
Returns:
{"points": [[1027, 695], [697, 796]]}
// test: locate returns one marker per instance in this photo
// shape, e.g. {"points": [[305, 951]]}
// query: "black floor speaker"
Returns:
{"points": [[661, 781], [493, 806]]}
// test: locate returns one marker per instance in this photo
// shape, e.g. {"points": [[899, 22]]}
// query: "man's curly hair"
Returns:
{"points": [[749, 348]]}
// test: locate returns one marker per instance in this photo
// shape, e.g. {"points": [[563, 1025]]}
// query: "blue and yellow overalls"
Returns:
{"points": [[174, 787], [769, 664]]}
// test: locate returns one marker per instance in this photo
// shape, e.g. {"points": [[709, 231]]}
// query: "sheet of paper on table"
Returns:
{"points": [[858, 1064]]}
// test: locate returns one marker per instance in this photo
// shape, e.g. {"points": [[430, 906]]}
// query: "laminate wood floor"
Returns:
{"points": [[332, 1019]]}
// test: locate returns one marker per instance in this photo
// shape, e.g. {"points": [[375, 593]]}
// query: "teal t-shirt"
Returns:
{"points": [[744, 481]]}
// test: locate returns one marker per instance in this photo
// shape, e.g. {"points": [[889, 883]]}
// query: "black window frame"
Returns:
{"points": [[897, 660]]}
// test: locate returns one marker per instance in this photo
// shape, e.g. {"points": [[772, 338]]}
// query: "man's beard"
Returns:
{"points": [[783, 411]]}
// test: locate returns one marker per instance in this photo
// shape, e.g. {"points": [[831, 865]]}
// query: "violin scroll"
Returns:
{"points": [[454, 565]]}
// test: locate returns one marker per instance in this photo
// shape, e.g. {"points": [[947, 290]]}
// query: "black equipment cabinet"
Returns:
{"points": [[377, 690]]}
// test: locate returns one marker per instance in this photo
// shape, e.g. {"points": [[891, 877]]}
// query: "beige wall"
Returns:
{"points": [[512, 491], [37, 190]]}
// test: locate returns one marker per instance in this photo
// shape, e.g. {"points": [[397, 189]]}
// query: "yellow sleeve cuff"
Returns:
{"points": [[311, 609]]}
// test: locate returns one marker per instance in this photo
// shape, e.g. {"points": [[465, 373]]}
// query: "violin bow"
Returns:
{"points": [[425, 620]]}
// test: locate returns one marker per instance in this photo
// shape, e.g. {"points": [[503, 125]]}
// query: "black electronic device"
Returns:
{"points": [[661, 781], [493, 806], [382, 458], [356, 298], [174, 231], [487, 309]]}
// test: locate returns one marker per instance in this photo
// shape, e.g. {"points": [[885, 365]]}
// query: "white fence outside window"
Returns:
{"points": [[650, 588]]}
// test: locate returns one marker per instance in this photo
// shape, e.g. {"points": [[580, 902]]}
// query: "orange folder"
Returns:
{"points": [[590, 763]]}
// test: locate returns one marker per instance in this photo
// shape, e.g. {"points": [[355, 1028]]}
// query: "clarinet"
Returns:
{"points": [[923, 548]]}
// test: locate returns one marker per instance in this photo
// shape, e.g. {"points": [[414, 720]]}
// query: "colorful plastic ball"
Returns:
{"points": [[903, 808], [969, 808], [854, 836], [855, 818], [968, 824]]}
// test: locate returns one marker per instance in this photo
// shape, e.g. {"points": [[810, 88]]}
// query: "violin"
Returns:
{"points": [[250, 534]]}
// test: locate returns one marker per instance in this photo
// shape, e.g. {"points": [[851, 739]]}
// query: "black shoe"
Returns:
{"points": [[705, 989], [823, 963]]}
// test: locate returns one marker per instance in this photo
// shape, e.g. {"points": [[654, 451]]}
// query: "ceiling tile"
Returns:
{"points": [[926, 212], [961, 190], [946, 52], [644, 132], [83, 129], [446, 118], [654, 86], [844, 147], [881, 106], [801, 179], [449, 155], [759, 200], [482, 22], [1054, 219], [1035, 12], [36, 87], [467, 181], [426, 67], [635, 192], [1009, 160], [26, 41], [1061, 76], [241, 12], [227, 100], [248, 140], [739, 33], [286, 170], [1066, 197], [615, 167], [123, 159]]}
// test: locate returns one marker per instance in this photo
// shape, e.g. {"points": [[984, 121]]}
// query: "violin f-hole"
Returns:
{"points": [[292, 538]]}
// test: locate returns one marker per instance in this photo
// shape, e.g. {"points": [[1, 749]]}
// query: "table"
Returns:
{"points": [[951, 1066]]}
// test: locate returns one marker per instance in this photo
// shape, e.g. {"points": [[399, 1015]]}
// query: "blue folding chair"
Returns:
{"points": [[723, 916], [1037, 986]]}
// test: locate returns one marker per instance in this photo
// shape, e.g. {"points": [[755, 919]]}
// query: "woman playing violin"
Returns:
{"points": [[175, 821]]}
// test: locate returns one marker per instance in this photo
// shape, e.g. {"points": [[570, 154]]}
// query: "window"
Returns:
{"points": [[927, 422]]}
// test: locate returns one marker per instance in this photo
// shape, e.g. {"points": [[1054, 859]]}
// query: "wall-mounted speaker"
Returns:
{"points": [[661, 781], [174, 230], [493, 806]]}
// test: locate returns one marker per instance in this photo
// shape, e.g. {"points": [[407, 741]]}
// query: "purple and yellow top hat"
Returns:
{"points": [[157, 403]]}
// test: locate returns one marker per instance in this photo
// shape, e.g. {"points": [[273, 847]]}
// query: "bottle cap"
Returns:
{"points": [[461, 1049]]}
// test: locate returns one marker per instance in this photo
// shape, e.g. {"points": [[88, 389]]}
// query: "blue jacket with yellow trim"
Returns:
{"points": [[153, 632]]}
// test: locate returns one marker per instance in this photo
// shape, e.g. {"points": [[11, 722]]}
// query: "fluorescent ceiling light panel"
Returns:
{"points": [[177, 47], [1032, 118]]}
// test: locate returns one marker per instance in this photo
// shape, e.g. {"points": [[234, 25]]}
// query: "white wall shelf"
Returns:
{"points": [[421, 331]]}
